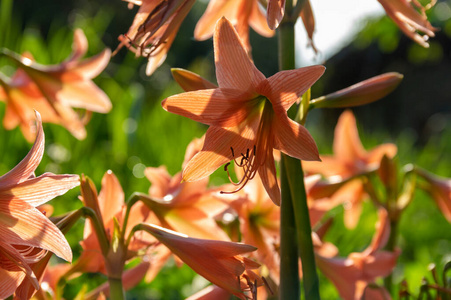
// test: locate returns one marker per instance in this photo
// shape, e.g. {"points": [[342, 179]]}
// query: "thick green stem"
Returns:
{"points": [[292, 185], [116, 290], [289, 263], [295, 177]]}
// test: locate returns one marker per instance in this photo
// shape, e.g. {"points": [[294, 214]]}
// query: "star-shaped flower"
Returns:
{"points": [[247, 115]]}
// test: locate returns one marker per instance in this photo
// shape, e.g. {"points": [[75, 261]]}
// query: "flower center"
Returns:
{"points": [[254, 157]]}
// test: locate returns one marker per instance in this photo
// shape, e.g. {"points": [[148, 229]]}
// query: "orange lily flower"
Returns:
{"points": [[184, 206], [241, 13], [247, 114], [352, 275], [218, 261], [405, 14], [350, 160], [65, 85], [27, 234], [154, 29]]}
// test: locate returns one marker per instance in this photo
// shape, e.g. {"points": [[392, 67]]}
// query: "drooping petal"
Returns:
{"points": [[234, 69], [347, 145], [215, 10], [217, 107], [257, 20], [22, 224], [293, 139], [275, 13], [26, 167], [190, 81], [39, 190], [268, 176], [285, 87]]}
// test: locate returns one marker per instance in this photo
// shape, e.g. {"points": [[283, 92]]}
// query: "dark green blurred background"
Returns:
{"points": [[138, 133]]}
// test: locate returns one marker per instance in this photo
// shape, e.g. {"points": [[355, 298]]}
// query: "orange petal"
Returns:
{"points": [[22, 224], [215, 10], [285, 87], [9, 282], [293, 139], [39, 190], [347, 145], [328, 166], [375, 155], [111, 197], [26, 167], [217, 149], [160, 180], [275, 13], [268, 176], [190, 81], [222, 107], [257, 20], [89, 67], [234, 69], [79, 45]]}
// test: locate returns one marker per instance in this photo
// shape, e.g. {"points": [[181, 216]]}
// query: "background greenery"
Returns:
{"points": [[138, 133]]}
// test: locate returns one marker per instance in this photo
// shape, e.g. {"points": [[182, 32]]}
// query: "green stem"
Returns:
{"points": [[391, 244], [289, 264], [293, 189], [116, 289]]}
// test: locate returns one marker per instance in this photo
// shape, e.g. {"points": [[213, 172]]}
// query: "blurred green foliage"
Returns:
{"points": [[138, 133]]}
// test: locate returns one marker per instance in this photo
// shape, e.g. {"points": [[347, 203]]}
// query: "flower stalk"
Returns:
{"points": [[295, 199]]}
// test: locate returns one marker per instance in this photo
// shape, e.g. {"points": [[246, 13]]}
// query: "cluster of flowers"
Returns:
{"points": [[247, 115]]}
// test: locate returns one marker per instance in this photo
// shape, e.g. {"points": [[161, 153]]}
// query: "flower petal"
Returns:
{"points": [[257, 21], [347, 146], [22, 224], [215, 10], [28, 165], [10, 281], [285, 87], [234, 69], [190, 81], [268, 176], [218, 107], [275, 13], [217, 149], [39, 190], [111, 197], [294, 140]]}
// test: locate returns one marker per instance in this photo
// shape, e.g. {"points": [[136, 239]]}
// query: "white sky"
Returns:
{"points": [[336, 23]]}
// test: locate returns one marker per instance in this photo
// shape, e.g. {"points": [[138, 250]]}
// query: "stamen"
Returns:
{"points": [[249, 165]]}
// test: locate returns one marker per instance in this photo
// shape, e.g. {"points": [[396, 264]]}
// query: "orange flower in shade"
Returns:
{"points": [[410, 16], [187, 207], [154, 29], [218, 261], [440, 190], [247, 115], [350, 160], [352, 275], [54, 90], [241, 13], [27, 234], [259, 224]]}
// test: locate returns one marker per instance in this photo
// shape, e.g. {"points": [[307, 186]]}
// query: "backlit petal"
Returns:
{"points": [[347, 145], [39, 190], [22, 224], [293, 139], [257, 21], [375, 155], [28, 165], [275, 13], [111, 196], [221, 107], [215, 10], [9, 282], [234, 69], [268, 176], [285, 87], [217, 149]]}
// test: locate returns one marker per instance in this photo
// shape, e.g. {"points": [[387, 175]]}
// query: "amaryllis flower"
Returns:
{"points": [[410, 16], [247, 114], [241, 13], [352, 275], [154, 29], [218, 261], [64, 86], [350, 159], [27, 234]]}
